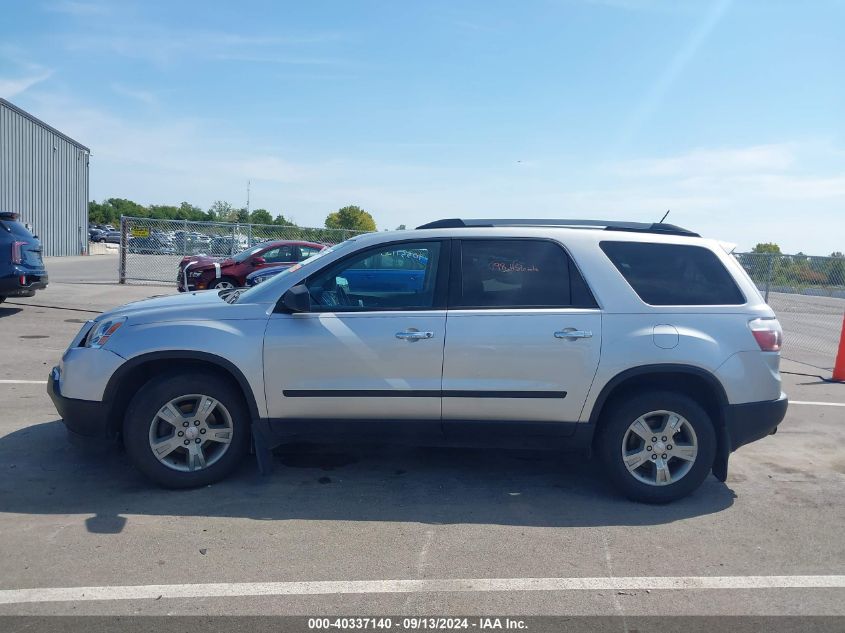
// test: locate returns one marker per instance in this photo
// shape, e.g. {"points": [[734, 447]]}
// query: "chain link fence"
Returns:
{"points": [[808, 295], [150, 249]]}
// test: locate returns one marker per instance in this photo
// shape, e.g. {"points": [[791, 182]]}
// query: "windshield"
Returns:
{"points": [[245, 255], [244, 295]]}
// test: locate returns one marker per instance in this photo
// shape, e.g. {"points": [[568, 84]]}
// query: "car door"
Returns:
{"points": [[372, 345], [523, 337]]}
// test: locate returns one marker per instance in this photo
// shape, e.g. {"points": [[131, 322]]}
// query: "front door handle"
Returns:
{"points": [[414, 335], [572, 333]]}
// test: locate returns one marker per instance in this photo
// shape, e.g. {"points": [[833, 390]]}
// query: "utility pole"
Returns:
{"points": [[247, 196]]}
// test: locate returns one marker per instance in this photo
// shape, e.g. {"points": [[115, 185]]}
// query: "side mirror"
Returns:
{"points": [[297, 299], [258, 261]]}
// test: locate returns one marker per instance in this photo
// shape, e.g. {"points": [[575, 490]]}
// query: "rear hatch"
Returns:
{"points": [[25, 247]]}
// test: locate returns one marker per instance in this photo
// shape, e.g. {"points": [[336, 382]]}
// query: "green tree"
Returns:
{"points": [[401, 227], [281, 220], [766, 247], [351, 217], [261, 216], [221, 211], [836, 271], [242, 216], [188, 211], [109, 211], [163, 211]]}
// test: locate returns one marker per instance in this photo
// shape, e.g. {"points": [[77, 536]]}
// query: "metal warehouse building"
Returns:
{"points": [[44, 178]]}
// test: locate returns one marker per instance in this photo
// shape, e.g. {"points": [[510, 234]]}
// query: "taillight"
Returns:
{"points": [[767, 333], [17, 254]]}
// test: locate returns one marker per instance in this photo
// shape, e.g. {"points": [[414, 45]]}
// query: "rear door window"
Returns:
{"points": [[514, 273], [307, 251], [674, 274]]}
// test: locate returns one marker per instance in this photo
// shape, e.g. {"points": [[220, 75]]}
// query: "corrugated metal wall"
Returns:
{"points": [[44, 178]]}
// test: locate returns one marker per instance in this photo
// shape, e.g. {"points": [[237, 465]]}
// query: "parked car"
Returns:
{"points": [[644, 344], [227, 245], [263, 274], [22, 270], [189, 244], [203, 272], [112, 237], [149, 246], [162, 236], [96, 235]]}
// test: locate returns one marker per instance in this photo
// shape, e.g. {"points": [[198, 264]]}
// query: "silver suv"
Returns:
{"points": [[643, 343]]}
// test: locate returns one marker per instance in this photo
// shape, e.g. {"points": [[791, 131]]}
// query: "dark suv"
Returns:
{"points": [[22, 270]]}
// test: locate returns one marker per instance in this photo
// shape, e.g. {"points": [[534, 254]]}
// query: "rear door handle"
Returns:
{"points": [[414, 335], [573, 333]]}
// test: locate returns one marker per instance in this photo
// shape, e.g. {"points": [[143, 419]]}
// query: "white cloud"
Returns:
{"points": [[791, 193], [11, 87], [709, 162]]}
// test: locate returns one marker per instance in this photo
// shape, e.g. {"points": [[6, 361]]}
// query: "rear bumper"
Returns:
{"points": [[83, 418], [749, 422], [11, 286]]}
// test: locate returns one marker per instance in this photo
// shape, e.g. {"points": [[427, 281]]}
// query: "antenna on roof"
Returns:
{"points": [[664, 216]]}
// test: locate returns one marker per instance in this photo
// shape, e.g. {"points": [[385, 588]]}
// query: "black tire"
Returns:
{"points": [[615, 424], [153, 396], [2, 299], [217, 282]]}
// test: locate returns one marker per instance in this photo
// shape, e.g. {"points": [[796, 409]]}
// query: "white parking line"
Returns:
{"points": [[332, 587], [23, 382], [819, 404]]}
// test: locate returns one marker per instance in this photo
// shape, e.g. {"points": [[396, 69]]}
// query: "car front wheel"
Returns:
{"points": [[224, 283], [186, 431], [658, 447]]}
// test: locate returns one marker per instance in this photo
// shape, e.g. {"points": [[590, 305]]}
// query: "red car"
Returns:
{"points": [[200, 272]]}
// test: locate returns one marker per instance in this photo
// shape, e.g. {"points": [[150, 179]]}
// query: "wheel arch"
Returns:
{"points": [[695, 382], [130, 376]]}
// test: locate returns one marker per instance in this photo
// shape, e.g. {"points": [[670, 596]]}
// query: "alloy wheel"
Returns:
{"points": [[191, 432], [659, 448]]}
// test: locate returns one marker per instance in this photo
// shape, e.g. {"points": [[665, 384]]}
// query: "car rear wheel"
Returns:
{"points": [[224, 283], [186, 431], [658, 447]]}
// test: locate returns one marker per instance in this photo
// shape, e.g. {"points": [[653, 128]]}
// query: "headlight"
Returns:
{"points": [[195, 274], [102, 331], [258, 280]]}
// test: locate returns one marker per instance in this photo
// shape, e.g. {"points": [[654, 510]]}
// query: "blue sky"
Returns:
{"points": [[729, 113]]}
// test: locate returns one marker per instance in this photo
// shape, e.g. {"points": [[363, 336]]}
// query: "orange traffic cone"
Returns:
{"points": [[839, 365]]}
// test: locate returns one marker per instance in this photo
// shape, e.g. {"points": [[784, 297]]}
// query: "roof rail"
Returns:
{"points": [[607, 225]]}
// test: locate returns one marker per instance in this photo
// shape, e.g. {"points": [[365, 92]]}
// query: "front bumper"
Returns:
{"points": [[749, 422], [85, 418], [193, 283]]}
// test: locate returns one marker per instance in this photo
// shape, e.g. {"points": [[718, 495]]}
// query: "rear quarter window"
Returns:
{"points": [[674, 274]]}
